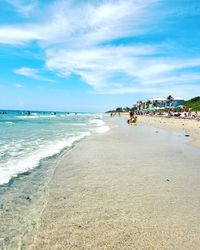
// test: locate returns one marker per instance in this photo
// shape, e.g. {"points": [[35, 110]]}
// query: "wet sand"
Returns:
{"points": [[21, 204], [134, 187]]}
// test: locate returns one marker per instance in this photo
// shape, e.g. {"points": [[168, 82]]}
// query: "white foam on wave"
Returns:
{"points": [[98, 122], [101, 127], [35, 116], [14, 167], [8, 122], [77, 124], [27, 117], [47, 116]]}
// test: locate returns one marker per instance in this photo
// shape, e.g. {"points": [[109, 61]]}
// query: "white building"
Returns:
{"points": [[159, 102]]}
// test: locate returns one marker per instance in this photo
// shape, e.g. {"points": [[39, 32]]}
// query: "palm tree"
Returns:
{"points": [[119, 109], [148, 103], [155, 103], [169, 100]]}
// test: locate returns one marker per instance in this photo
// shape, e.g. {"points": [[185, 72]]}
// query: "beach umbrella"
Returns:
{"points": [[159, 108], [149, 109]]}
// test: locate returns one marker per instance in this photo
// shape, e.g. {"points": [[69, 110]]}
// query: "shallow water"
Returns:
{"points": [[27, 138], [30, 145], [21, 203]]}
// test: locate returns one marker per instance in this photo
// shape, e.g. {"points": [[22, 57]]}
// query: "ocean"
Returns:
{"points": [[26, 138]]}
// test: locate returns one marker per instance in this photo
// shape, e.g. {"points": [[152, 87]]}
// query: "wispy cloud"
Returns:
{"points": [[32, 73], [101, 41], [67, 22], [24, 7], [128, 69], [29, 72], [99, 66], [15, 35], [19, 85]]}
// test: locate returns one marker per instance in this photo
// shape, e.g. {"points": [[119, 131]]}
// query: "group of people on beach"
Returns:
{"points": [[132, 116], [114, 113], [183, 113]]}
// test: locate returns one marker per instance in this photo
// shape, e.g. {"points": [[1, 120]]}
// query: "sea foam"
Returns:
{"points": [[26, 163], [35, 137]]}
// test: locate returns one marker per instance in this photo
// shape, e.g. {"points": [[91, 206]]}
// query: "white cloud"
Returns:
{"points": [[19, 85], [91, 24], [98, 66], [32, 73], [74, 39], [25, 7], [161, 67], [126, 69], [17, 35], [81, 25]]}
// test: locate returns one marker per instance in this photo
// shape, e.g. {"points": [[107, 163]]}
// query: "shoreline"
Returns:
{"points": [[133, 187], [106, 194]]}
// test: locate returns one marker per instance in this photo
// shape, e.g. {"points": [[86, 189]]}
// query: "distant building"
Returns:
{"points": [[150, 103], [158, 102]]}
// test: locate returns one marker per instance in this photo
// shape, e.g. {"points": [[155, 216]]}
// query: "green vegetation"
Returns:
{"points": [[194, 103], [120, 109]]}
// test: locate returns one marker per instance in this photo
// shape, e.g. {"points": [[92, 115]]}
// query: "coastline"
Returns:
{"points": [[130, 188]]}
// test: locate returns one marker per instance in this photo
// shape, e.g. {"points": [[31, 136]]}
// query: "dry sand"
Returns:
{"points": [[189, 126], [133, 187]]}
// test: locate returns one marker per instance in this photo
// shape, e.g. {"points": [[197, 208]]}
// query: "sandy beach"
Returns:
{"points": [[190, 127], [134, 187]]}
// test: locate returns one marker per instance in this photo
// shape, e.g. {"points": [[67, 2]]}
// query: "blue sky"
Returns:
{"points": [[97, 55]]}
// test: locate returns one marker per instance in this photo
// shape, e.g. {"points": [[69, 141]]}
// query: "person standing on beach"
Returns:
{"points": [[190, 111], [131, 114]]}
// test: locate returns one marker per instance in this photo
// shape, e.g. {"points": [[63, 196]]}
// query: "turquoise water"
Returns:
{"points": [[28, 137]]}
